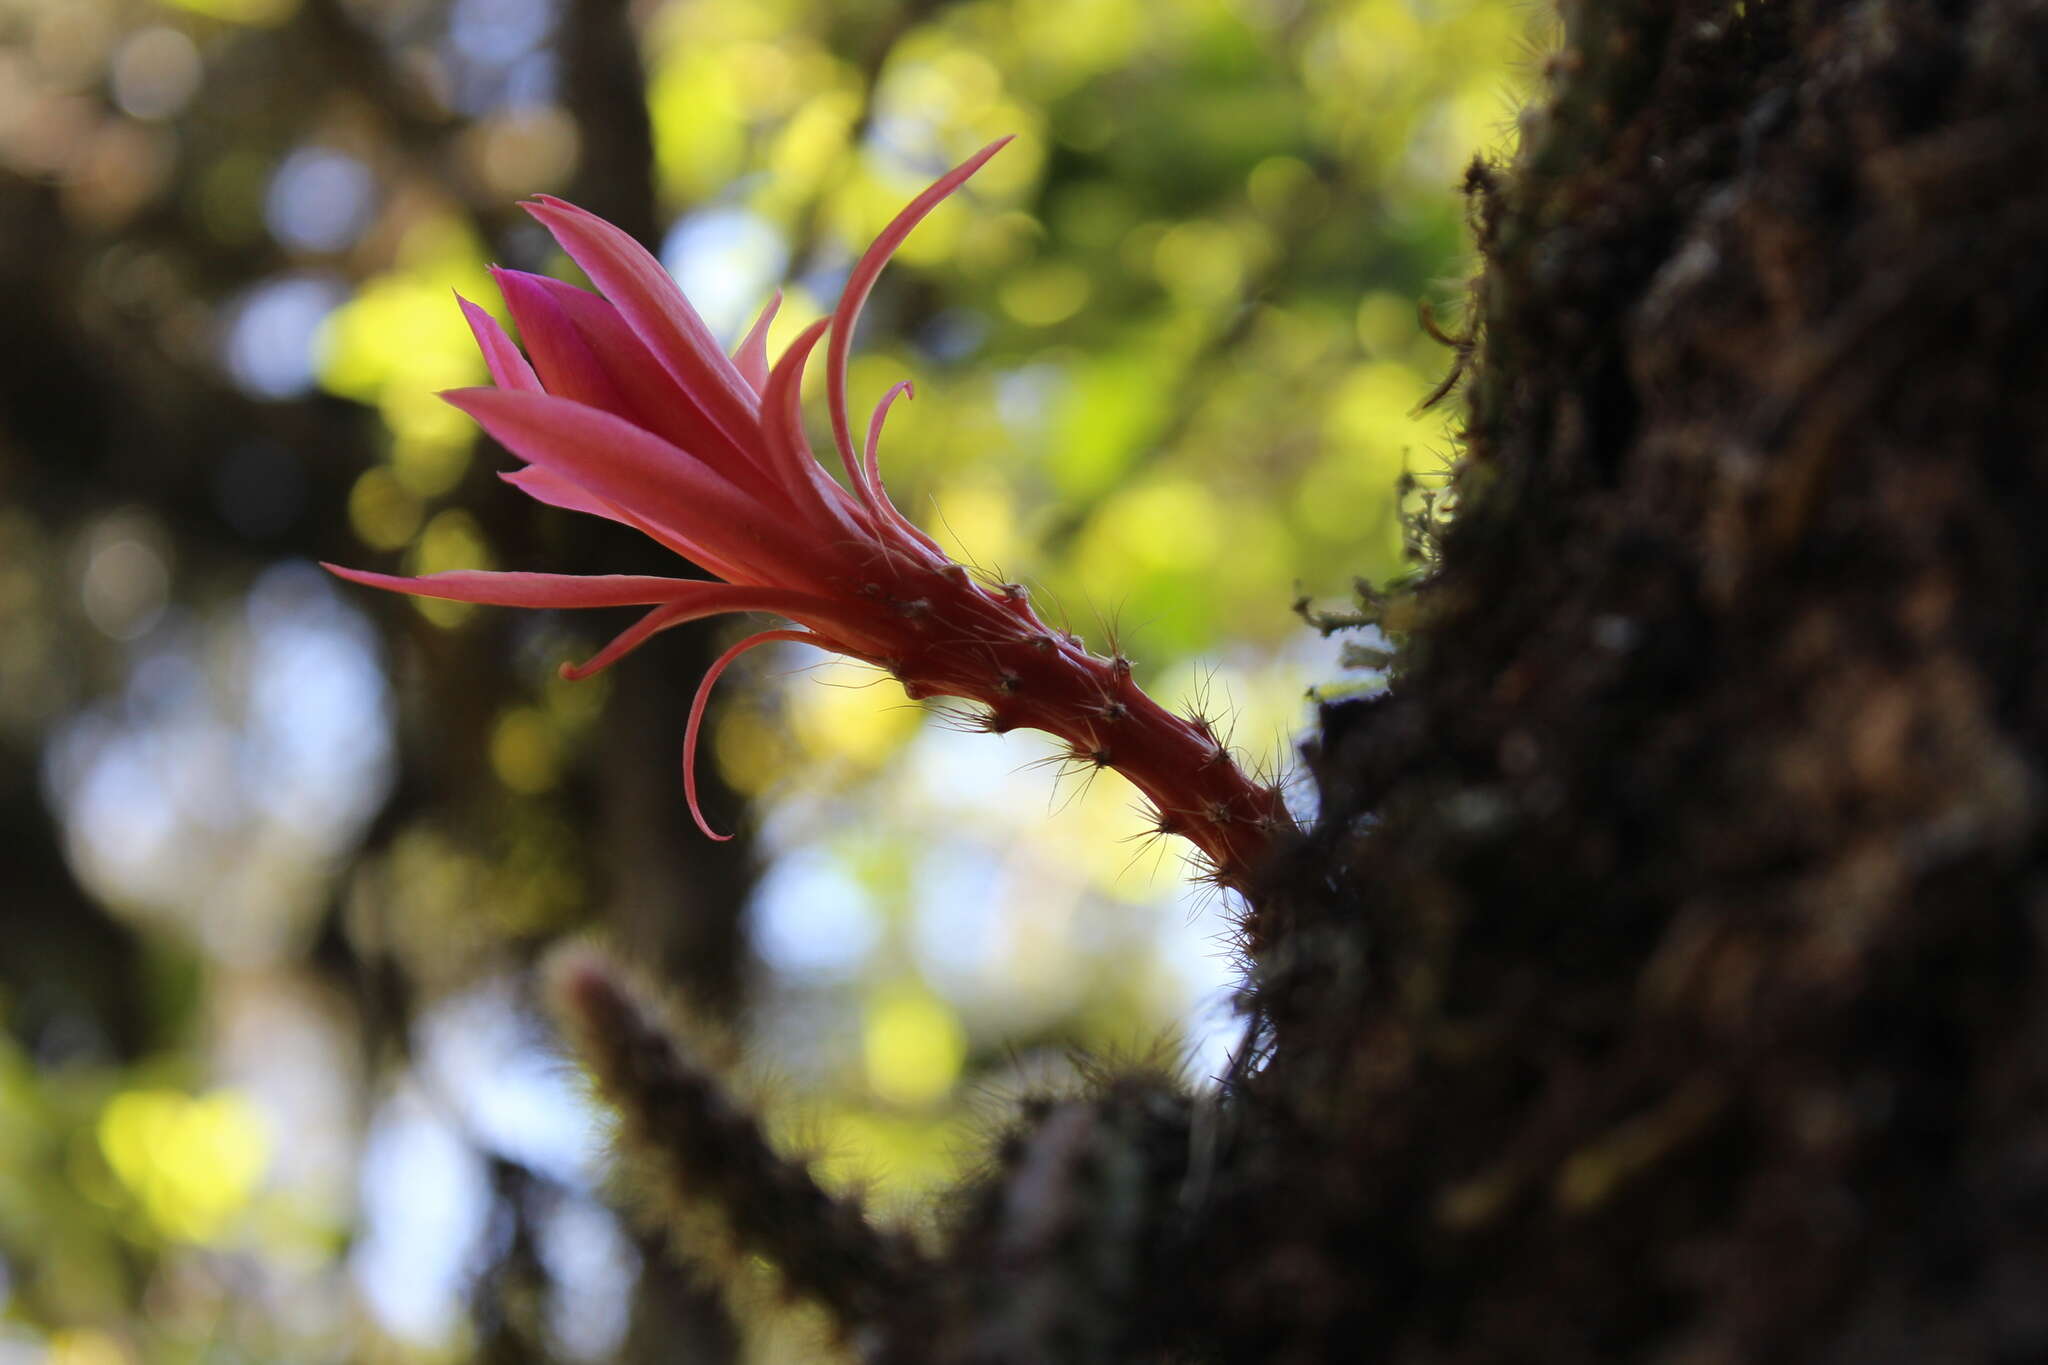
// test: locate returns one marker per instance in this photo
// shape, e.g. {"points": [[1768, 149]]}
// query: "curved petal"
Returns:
{"points": [[653, 398], [508, 368], [861, 281], [648, 298], [790, 458], [556, 491], [539, 589], [871, 461], [563, 359], [633, 636], [543, 486], [647, 480], [717, 599], [711, 675], [750, 357]]}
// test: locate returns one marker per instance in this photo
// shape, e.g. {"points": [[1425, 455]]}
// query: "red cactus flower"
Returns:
{"points": [[624, 406]]}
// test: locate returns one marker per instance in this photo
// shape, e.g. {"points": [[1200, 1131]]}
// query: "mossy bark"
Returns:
{"points": [[1665, 977]]}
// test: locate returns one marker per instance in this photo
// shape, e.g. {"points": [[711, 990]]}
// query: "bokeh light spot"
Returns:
{"points": [[192, 1161], [526, 150], [526, 753], [851, 712], [425, 1196], [913, 1046], [976, 520], [429, 465], [728, 261], [255, 12], [1046, 295], [498, 31], [127, 581], [383, 513], [156, 70], [81, 1346], [319, 200], [1281, 185], [753, 750], [271, 330], [812, 918], [1200, 263]]}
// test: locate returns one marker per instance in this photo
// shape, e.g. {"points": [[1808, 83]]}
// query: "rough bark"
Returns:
{"points": [[1664, 978]]}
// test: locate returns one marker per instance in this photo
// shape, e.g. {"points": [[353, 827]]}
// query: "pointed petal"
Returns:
{"points": [[631, 638], [871, 462], [750, 357], [545, 486], [652, 398], [790, 458], [649, 481], [651, 391], [711, 675], [561, 356], [861, 281], [508, 368], [538, 589], [648, 298], [718, 599]]}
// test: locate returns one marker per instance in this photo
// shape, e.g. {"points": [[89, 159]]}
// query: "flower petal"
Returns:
{"points": [[651, 397], [719, 599], [791, 461], [546, 486], [711, 675], [563, 359], [648, 298], [508, 368], [538, 589], [871, 462], [750, 357], [861, 281], [649, 481]]}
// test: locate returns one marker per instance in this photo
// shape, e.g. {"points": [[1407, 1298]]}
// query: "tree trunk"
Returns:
{"points": [[1665, 977]]}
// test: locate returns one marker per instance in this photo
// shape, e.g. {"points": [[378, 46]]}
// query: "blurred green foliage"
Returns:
{"points": [[1167, 363]]}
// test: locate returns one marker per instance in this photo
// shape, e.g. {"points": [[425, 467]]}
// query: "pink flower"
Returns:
{"points": [[624, 407]]}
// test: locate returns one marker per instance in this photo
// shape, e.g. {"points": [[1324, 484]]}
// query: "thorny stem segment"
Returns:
{"points": [[989, 646], [709, 1153]]}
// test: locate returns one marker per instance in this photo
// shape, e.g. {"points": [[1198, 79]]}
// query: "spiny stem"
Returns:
{"points": [[709, 1154], [988, 645]]}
